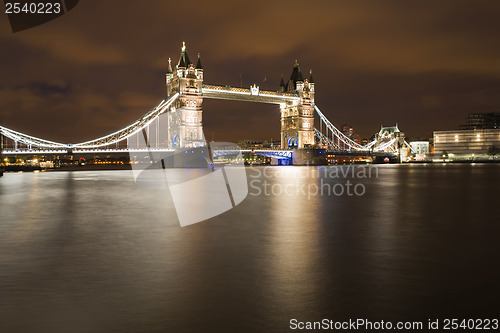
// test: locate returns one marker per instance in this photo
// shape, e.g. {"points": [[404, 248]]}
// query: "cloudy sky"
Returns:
{"points": [[422, 64]]}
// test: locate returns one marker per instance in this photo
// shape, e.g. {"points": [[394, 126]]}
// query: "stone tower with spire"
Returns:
{"points": [[185, 128], [297, 117]]}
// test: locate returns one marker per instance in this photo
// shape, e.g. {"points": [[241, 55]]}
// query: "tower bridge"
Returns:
{"points": [[176, 122]]}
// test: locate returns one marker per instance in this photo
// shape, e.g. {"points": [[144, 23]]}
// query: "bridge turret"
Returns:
{"points": [[199, 68], [282, 84], [169, 76], [311, 82], [296, 79], [169, 69], [306, 93], [184, 61]]}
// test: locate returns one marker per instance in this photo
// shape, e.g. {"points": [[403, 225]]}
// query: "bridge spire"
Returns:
{"points": [[198, 65], [311, 80], [169, 69], [184, 61], [295, 78]]}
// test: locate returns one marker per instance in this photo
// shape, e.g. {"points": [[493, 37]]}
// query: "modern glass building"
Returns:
{"points": [[482, 121], [466, 143]]}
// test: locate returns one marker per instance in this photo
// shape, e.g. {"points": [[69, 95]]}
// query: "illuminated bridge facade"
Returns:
{"points": [[177, 121]]}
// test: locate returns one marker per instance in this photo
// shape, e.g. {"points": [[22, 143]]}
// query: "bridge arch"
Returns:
{"points": [[293, 142]]}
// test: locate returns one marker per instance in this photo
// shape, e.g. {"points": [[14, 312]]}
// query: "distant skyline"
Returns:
{"points": [[424, 65]]}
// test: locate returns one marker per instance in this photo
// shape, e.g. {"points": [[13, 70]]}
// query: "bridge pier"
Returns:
{"points": [[392, 159], [278, 162], [309, 156]]}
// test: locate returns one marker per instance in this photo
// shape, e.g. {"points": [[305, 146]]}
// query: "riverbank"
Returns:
{"points": [[96, 167], [92, 167]]}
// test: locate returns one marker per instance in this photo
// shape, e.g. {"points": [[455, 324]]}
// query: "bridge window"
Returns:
{"points": [[191, 134]]}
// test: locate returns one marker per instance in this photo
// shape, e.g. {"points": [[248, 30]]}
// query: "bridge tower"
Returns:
{"points": [[185, 119], [297, 117]]}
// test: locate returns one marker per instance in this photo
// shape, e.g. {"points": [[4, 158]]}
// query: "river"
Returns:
{"points": [[94, 252]]}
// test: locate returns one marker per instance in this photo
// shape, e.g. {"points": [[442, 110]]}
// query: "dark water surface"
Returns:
{"points": [[92, 252]]}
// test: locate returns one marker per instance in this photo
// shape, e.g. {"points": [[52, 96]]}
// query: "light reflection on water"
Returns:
{"points": [[92, 252]]}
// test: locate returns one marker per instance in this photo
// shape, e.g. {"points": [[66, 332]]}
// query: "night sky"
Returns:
{"points": [[422, 64]]}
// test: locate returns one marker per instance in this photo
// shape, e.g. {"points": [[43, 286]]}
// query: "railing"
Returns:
{"points": [[97, 145], [341, 136], [131, 129], [107, 140], [30, 140], [326, 141], [80, 151]]}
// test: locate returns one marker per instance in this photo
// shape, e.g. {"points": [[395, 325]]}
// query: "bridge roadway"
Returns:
{"points": [[273, 153], [74, 151], [280, 154], [125, 150]]}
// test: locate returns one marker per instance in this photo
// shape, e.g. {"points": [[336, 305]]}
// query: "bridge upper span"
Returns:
{"points": [[252, 94]]}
